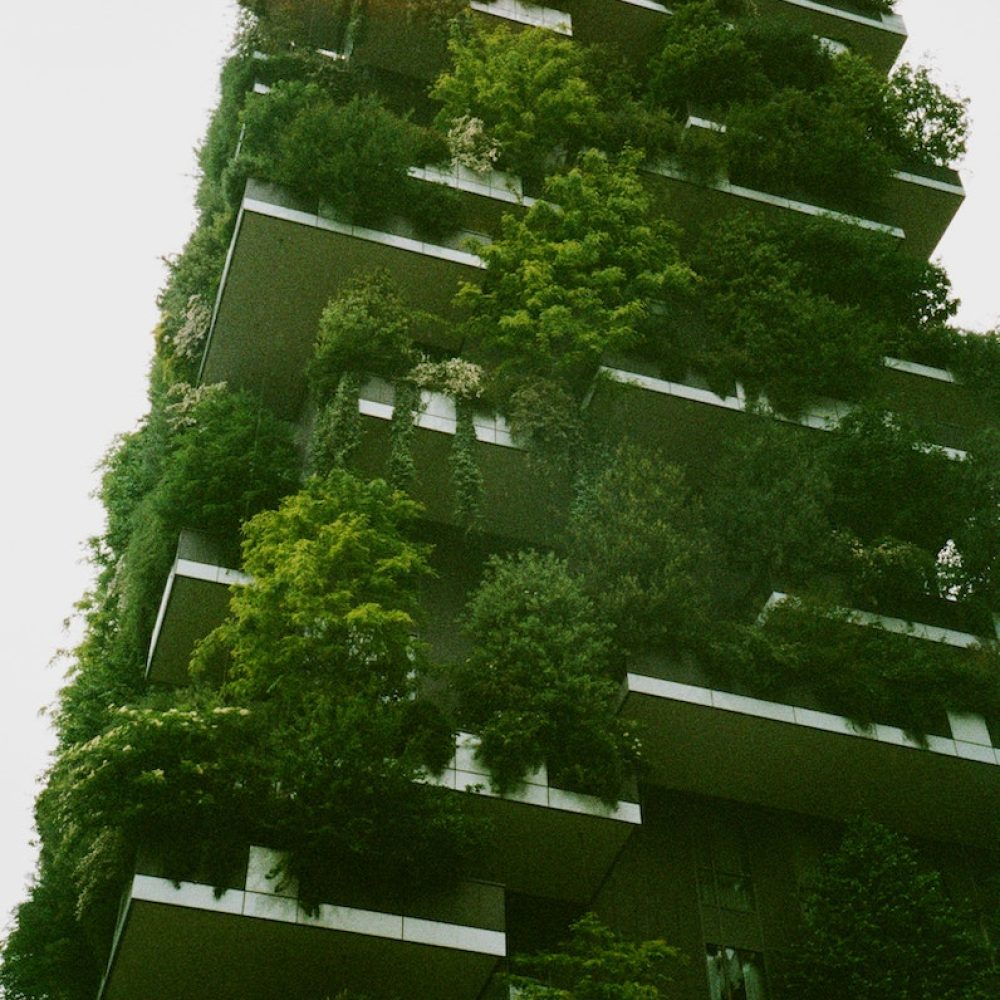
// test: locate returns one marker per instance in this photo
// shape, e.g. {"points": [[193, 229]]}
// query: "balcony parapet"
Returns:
{"points": [[708, 415], [548, 841], [722, 744], [185, 939], [195, 600]]}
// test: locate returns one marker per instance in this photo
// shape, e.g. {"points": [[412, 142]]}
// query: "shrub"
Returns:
{"points": [[597, 964], [529, 89], [880, 925], [637, 540], [364, 330], [536, 686], [574, 277]]}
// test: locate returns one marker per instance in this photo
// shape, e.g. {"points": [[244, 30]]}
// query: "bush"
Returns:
{"points": [[575, 275], [529, 88], [536, 688], [637, 540], [353, 156], [879, 925], [364, 330], [597, 964]]}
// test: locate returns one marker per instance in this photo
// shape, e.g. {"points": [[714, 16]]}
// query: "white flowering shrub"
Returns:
{"points": [[471, 145], [455, 377], [189, 339], [185, 400]]}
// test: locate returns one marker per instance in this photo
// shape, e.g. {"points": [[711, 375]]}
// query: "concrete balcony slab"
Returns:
{"points": [[699, 740], [184, 939]]}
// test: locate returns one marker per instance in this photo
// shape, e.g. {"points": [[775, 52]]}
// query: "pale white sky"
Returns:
{"points": [[105, 103]]}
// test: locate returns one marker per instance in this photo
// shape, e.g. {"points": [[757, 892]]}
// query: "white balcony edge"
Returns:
{"points": [[898, 626], [189, 569], [885, 22], [777, 201], [494, 184], [529, 14], [929, 182], [914, 368], [370, 923], [315, 221], [815, 418], [655, 687], [464, 773], [432, 415]]}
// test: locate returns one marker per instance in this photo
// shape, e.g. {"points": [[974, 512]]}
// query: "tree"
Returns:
{"points": [[597, 964], [637, 540], [574, 277], [321, 648], [529, 89], [536, 687], [879, 927]]}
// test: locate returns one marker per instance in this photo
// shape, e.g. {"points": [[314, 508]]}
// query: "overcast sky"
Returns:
{"points": [[105, 103]]}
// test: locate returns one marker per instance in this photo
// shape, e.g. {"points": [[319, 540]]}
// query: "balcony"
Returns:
{"points": [[195, 600], [182, 939], [284, 265], [879, 36], [778, 755], [690, 422], [548, 841], [387, 40], [516, 503], [917, 211]]}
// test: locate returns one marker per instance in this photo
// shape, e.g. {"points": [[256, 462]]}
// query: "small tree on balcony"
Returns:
{"points": [[528, 88], [537, 687], [574, 277]]}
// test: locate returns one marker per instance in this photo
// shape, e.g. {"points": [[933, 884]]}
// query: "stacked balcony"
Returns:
{"points": [[257, 940]]}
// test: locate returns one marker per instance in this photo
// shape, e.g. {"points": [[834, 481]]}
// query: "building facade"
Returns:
{"points": [[747, 773]]}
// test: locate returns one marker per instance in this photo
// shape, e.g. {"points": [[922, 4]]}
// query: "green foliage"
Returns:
{"points": [[885, 481], [402, 469], [337, 431], [769, 328], [767, 507], [708, 61], [857, 671], [637, 540], [879, 926], [366, 329], [929, 126], [320, 646], [332, 601], [598, 964], [536, 687], [529, 88], [823, 144], [466, 476], [574, 276], [353, 157]]}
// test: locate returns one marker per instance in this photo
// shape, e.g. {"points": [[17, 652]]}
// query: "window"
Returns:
{"points": [[735, 974], [724, 872]]}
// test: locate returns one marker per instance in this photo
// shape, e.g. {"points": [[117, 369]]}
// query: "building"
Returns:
{"points": [[739, 794]]}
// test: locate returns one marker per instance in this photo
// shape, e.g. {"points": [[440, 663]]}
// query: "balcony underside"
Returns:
{"points": [[546, 841], [723, 745], [177, 940], [389, 41], [917, 210], [880, 38], [284, 265]]}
